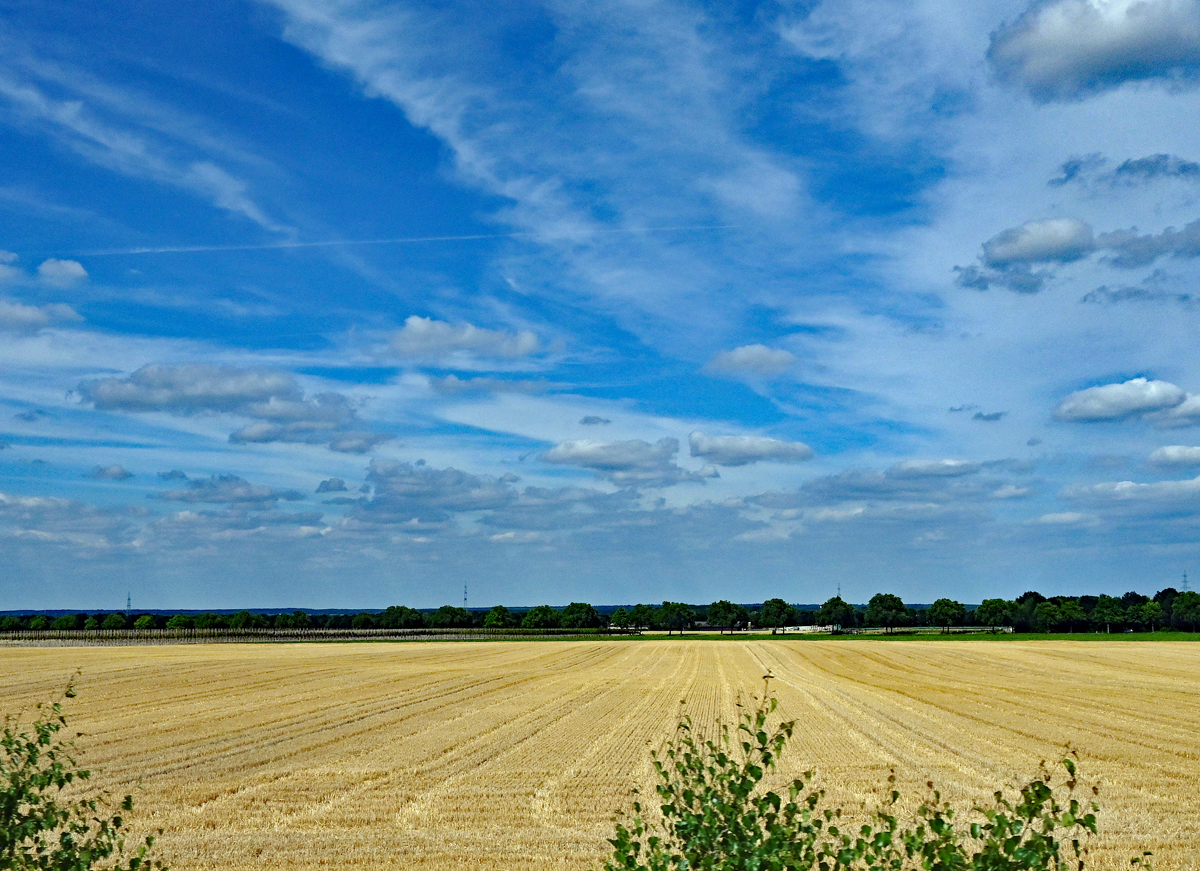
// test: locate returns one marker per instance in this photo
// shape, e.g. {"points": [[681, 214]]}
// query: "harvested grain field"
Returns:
{"points": [[515, 755]]}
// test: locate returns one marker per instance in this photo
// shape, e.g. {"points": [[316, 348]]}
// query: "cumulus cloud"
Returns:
{"points": [[283, 413], [191, 389], [1156, 166], [1176, 456], [1132, 250], [229, 489], [1132, 398], [1066, 518], [1068, 49], [932, 469], [1010, 491], [419, 496], [1186, 492], [16, 317], [1087, 170], [173, 475], [1154, 288], [1058, 239], [752, 360], [627, 462], [425, 338], [452, 384], [743, 450], [1009, 257], [110, 473], [332, 485], [61, 273], [357, 442]]}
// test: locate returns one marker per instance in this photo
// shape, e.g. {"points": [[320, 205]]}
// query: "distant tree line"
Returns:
{"points": [[1029, 612]]}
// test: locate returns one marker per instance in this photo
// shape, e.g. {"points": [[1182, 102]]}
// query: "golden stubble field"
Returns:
{"points": [[515, 755]]}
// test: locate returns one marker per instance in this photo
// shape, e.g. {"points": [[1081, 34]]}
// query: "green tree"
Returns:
{"points": [[247, 620], [642, 616], [621, 619], [39, 622], [45, 824], [721, 614], [1152, 615], [675, 617], [209, 620], [114, 621], [402, 617], [1046, 616], [711, 812], [1108, 611], [946, 613], [580, 615], [69, 622], [146, 621], [362, 620], [498, 618], [91, 623], [994, 612], [8, 623], [1070, 612], [541, 617], [1185, 610], [179, 621], [776, 613], [451, 617], [836, 612], [886, 610]]}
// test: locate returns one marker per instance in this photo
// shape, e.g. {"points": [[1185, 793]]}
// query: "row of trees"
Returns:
{"points": [[1029, 612]]}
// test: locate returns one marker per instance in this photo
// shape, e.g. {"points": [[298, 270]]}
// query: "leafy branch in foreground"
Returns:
{"points": [[44, 824], [713, 814]]}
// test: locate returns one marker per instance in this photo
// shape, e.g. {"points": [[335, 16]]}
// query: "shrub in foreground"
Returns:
{"points": [[713, 814], [44, 824]]}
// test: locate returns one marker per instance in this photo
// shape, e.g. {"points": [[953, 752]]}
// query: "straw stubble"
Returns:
{"points": [[516, 755]]}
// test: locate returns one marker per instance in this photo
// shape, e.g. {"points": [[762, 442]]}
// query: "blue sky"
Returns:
{"points": [[349, 304]]}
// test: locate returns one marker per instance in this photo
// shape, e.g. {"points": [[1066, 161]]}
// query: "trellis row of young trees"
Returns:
{"points": [[1029, 612]]}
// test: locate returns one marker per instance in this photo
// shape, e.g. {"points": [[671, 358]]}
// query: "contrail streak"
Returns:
{"points": [[403, 240]]}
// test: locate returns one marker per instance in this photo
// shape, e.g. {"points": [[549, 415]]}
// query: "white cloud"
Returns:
{"points": [[408, 492], [1176, 455], [1066, 518], [111, 473], [1119, 401], [283, 413], [1010, 491], [1186, 413], [425, 338], [61, 273], [1057, 239], [753, 360], [1161, 492], [743, 450], [19, 318], [626, 462], [229, 489], [932, 469], [127, 134], [191, 388], [1065, 49]]}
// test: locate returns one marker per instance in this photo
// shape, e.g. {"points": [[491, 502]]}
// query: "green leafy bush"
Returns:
{"points": [[45, 824], [714, 814]]}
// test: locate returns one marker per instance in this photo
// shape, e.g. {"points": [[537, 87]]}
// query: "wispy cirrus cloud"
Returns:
{"points": [[125, 132]]}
